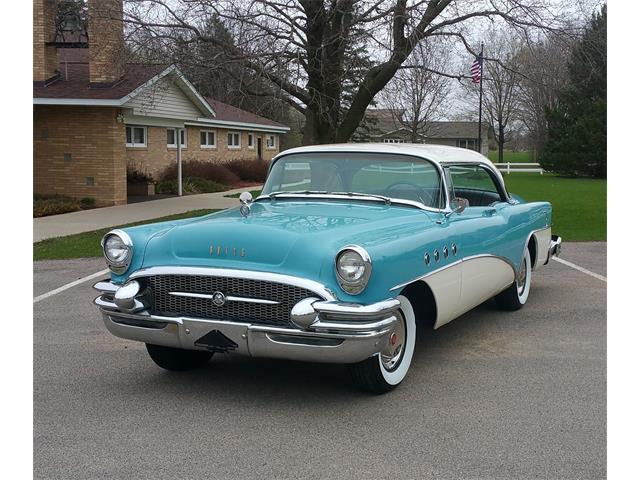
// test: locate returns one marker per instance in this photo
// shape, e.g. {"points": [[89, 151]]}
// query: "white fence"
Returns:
{"points": [[519, 167]]}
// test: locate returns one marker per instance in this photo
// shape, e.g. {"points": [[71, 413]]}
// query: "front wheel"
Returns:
{"points": [[514, 297], [177, 359], [384, 371]]}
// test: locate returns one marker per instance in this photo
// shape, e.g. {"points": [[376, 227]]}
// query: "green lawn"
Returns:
{"points": [[512, 157], [579, 205], [254, 194], [88, 244]]}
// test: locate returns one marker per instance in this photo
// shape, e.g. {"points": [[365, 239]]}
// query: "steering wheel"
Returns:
{"points": [[418, 192]]}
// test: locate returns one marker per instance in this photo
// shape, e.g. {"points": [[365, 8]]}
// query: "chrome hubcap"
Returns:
{"points": [[521, 281], [394, 348]]}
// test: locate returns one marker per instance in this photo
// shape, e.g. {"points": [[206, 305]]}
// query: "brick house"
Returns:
{"points": [[386, 128], [95, 115]]}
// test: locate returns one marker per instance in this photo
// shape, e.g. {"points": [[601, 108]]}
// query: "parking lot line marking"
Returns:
{"points": [[579, 268], [70, 285]]}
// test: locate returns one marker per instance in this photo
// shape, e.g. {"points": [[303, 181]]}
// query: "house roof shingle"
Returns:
{"points": [[229, 113], [74, 84], [387, 123]]}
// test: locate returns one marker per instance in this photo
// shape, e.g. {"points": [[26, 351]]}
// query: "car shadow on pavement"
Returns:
{"points": [[231, 377]]}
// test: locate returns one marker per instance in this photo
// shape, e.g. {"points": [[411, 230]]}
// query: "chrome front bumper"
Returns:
{"points": [[337, 333]]}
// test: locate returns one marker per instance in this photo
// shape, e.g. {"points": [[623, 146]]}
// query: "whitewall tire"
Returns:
{"points": [[514, 297], [384, 371]]}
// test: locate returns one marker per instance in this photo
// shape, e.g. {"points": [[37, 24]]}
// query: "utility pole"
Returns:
{"points": [[480, 106]]}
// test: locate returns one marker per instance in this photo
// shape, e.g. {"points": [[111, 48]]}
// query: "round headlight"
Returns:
{"points": [[353, 268], [116, 247]]}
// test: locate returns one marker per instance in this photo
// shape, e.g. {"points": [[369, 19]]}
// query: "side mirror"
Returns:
{"points": [[458, 205]]}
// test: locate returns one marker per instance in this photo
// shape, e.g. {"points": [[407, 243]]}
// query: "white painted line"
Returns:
{"points": [[580, 269], [69, 285]]}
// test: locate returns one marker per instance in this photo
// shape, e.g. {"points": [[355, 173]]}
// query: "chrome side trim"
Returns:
{"points": [[316, 287], [452, 264], [228, 298]]}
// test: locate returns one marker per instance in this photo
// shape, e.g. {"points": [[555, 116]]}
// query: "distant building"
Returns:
{"points": [[95, 115], [387, 128]]}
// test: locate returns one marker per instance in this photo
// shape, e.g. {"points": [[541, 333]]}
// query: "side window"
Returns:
{"points": [[475, 184]]}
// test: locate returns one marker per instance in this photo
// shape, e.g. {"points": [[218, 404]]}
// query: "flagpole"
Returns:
{"points": [[480, 106]]}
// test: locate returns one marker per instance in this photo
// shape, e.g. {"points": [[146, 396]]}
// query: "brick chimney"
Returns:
{"points": [[106, 42], [45, 59]]}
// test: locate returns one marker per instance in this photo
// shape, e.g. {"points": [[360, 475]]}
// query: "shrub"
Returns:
{"points": [[44, 205], [190, 185], [136, 176], [249, 170], [87, 202], [214, 172]]}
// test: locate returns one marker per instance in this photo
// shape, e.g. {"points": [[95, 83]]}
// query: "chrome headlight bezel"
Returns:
{"points": [[118, 266], [353, 286]]}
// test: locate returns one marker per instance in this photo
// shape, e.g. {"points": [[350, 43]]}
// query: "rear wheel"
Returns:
{"points": [[514, 297], [384, 371], [177, 359]]}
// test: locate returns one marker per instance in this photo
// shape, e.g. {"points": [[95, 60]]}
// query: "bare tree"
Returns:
{"points": [[543, 65], [417, 93], [302, 46]]}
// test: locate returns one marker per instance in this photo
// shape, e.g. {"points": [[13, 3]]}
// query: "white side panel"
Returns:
{"points": [[445, 286], [164, 99], [543, 238], [482, 278]]}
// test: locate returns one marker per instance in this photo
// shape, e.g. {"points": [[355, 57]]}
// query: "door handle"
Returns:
{"points": [[489, 212]]}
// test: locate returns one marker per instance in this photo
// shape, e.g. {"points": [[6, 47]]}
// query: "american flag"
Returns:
{"points": [[476, 69]]}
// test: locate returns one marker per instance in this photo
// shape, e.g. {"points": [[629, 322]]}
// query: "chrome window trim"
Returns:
{"points": [[400, 201], [311, 285], [497, 179]]}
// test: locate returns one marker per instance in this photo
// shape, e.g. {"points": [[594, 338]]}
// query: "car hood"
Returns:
{"points": [[280, 232]]}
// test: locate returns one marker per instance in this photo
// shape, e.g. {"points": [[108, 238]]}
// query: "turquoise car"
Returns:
{"points": [[347, 248]]}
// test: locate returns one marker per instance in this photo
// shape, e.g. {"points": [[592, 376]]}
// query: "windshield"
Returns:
{"points": [[382, 174]]}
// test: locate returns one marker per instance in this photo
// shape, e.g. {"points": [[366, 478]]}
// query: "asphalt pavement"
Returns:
{"points": [[492, 395]]}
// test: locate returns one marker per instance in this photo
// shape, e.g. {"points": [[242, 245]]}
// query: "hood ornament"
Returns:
{"points": [[246, 199]]}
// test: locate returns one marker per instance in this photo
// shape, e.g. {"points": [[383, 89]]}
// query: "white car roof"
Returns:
{"points": [[436, 153]]}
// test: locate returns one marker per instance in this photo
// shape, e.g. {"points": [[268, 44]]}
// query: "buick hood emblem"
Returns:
{"points": [[218, 299]]}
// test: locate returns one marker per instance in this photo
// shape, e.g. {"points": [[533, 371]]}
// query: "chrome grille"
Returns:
{"points": [[162, 303]]}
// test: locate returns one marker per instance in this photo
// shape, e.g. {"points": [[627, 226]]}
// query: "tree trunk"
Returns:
{"points": [[500, 143]]}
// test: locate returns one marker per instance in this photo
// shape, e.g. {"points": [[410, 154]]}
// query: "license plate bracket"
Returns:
{"points": [[216, 341]]}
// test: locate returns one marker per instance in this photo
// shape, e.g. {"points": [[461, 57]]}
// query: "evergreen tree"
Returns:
{"points": [[577, 143]]}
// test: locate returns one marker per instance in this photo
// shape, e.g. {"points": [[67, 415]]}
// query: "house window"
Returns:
{"points": [[171, 138], [467, 143], [136, 136], [271, 142], [233, 139], [250, 140], [207, 139], [393, 140]]}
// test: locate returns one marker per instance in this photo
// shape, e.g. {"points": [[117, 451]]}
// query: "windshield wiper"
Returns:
{"points": [[386, 200], [298, 192]]}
